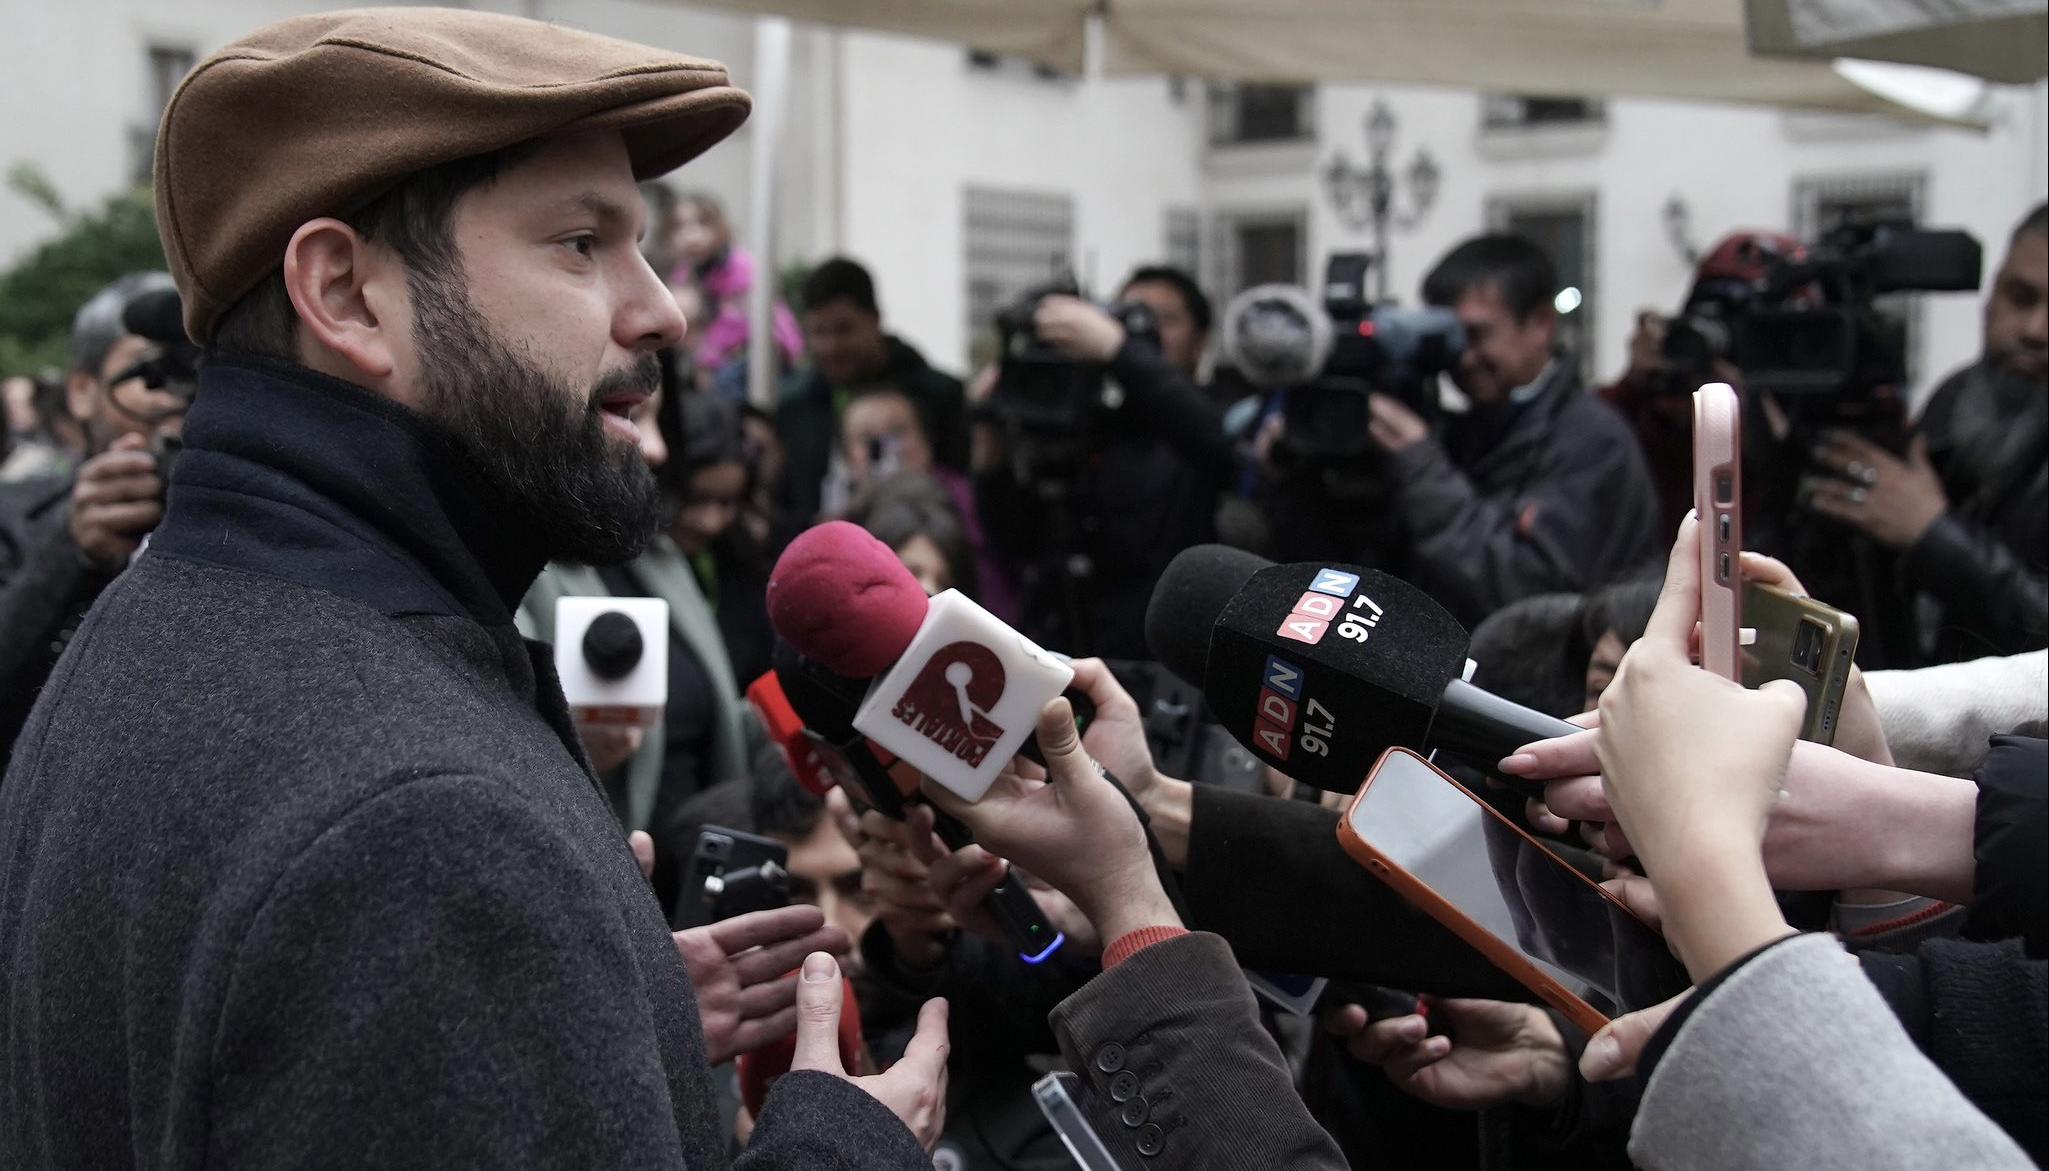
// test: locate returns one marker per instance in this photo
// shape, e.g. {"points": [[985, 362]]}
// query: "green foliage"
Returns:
{"points": [[40, 293]]}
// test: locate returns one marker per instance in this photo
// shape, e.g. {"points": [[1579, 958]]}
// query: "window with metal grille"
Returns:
{"points": [[1522, 111], [1246, 113], [1260, 248], [1565, 226], [1016, 240], [1182, 247], [165, 66]]}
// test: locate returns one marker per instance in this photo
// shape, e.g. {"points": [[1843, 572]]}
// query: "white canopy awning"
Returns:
{"points": [[1696, 50], [1998, 40]]}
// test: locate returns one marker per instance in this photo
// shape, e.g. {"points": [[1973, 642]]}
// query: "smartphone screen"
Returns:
{"points": [[1512, 888]]}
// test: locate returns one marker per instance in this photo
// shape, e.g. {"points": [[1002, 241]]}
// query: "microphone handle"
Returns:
{"points": [[1010, 904], [1482, 727]]}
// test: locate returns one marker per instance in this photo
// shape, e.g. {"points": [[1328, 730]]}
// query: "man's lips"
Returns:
{"points": [[622, 402]]}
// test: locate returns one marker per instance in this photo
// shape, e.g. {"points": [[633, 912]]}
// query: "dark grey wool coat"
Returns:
{"points": [[301, 864]]}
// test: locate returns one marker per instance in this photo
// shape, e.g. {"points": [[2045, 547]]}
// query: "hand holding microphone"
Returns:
{"points": [[1073, 829]]}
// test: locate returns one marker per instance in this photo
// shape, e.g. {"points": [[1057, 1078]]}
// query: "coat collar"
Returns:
{"points": [[295, 475]]}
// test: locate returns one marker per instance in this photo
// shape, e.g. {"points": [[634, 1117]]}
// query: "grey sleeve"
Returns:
{"points": [[1942, 719], [1180, 1073], [1793, 1060]]}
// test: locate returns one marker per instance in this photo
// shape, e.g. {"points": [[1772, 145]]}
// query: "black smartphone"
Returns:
{"points": [[731, 873]]}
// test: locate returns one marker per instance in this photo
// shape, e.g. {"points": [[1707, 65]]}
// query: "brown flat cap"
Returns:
{"points": [[317, 115]]}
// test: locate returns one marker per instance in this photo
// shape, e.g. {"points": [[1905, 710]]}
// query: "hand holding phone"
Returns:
{"points": [[1525, 910], [1718, 499]]}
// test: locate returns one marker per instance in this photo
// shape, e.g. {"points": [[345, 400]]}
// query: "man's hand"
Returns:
{"points": [[741, 969], [118, 499], [967, 876], [914, 1089], [1394, 426], [1891, 500], [1074, 830], [1116, 736], [1078, 329], [1504, 1052]]}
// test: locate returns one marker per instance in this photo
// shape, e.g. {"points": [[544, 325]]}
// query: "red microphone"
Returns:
{"points": [[955, 692]]}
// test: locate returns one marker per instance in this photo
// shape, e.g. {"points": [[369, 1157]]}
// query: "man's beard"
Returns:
{"points": [[539, 449]]}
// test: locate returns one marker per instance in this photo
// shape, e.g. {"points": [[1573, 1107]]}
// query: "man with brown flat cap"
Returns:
{"points": [[301, 863]]}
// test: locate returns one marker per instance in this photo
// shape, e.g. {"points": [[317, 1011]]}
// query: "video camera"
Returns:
{"points": [[1040, 391], [1374, 349], [171, 365], [1801, 325]]}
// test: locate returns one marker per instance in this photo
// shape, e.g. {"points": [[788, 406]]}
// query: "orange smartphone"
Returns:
{"points": [[1718, 498], [1526, 910]]}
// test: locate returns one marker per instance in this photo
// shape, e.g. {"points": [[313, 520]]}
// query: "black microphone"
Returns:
{"points": [[1318, 669], [826, 702]]}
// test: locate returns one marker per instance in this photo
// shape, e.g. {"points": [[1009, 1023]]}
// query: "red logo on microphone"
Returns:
{"points": [[948, 703]]}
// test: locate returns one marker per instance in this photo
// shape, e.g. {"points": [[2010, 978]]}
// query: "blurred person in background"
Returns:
{"points": [[883, 437], [1143, 474], [1536, 486], [851, 351], [720, 275], [66, 535], [915, 515], [43, 437], [1968, 507], [708, 485]]}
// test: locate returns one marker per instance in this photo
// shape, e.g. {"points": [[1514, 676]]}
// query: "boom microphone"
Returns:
{"points": [[1318, 669]]}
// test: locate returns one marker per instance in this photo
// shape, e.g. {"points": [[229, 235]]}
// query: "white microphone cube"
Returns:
{"points": [[961, 700], [612, 657]]}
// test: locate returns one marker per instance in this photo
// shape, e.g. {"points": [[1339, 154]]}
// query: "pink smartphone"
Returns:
{"points": [[1718, 498]]}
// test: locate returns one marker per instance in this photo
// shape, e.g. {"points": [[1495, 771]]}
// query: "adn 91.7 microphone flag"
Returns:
{"points": [[1320, 668]]}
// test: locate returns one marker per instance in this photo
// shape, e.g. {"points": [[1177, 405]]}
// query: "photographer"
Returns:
{"points": [[1968, 508], [1136, 478], [64, 537], [1536, 486]]}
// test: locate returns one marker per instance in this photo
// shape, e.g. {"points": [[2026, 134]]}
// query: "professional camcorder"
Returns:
{"points": [[1374, 349], [1798, 320], [1041, 391], [1330, 360], [170, 365]]}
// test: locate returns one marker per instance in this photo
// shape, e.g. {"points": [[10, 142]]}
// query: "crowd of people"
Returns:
{"points": [[305, 859]]}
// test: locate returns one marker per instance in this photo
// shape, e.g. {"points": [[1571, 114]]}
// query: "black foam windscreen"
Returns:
{"points": [[1317, 668], [824, 701], [612, 645], [1187, 601]]}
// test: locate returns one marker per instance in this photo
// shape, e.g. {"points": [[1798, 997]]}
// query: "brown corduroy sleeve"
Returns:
{"points": [[1179, 1072]]}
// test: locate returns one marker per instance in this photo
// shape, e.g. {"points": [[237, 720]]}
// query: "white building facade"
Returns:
{"points": [[960, 181]]}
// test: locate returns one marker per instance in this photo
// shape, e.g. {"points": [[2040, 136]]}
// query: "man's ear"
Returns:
{"points": [[81, 396], [350, 298]]}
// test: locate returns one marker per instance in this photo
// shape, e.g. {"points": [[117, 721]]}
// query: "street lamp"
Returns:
{"points": [[1364, 197]]}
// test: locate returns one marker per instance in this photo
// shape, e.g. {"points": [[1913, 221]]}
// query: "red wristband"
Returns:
{"points": [[1132, 942]]}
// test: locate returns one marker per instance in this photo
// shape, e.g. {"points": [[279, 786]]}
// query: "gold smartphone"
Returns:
{"points": [[1809, 642]]}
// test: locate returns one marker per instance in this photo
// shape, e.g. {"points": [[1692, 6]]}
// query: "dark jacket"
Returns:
{"points": [[1542, 496], [1179, 1071], [1985, 562], [301, 863], [1145, 489], [808, 420], [45, 589]]}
